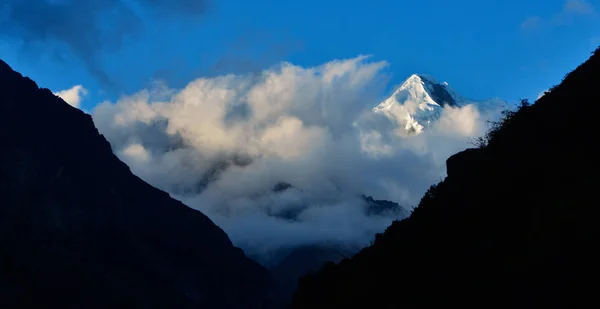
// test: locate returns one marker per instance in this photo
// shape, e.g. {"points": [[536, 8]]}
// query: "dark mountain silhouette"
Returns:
{"points": [[79, 230], [289, 264], [384, 208], [515, 223], [293, 263], [299, 261]]}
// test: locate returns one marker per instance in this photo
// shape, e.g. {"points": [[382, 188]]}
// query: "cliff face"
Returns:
{"points": [[79, 230], [515, 223]]}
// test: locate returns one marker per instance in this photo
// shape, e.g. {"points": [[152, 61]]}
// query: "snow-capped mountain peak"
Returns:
{"points": [[423, 89], [419, 100]]}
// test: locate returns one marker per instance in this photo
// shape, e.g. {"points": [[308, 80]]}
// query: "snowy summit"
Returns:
{"points": [[419, 100]]}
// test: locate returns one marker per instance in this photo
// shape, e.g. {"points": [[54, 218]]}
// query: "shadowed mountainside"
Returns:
{"points": [[79, 230], [515, 223], [299, 261], [293, 263]]}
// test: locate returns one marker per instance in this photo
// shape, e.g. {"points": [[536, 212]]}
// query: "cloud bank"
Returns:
{"points": [[222, 145]]}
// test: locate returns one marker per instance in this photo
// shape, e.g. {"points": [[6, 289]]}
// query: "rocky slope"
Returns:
{"points": [[514, 225], [79, 230]]}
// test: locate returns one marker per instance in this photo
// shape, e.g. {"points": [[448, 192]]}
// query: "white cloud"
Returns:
{"points": [[582, 7], [531, 23], [541, 94], [571, 10], [574, 9], [73, 96], [136, 152], [221, 144]]}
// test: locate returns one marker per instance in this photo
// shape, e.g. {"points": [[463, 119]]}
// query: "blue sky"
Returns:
{"points": [[495, 48]]}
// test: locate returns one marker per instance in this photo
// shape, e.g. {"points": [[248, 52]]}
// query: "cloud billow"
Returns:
{"points": [[73, 96], [222, 144]]}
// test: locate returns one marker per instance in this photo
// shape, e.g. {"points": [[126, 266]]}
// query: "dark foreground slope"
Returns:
{"points": [[515, 223], [79, 230]]}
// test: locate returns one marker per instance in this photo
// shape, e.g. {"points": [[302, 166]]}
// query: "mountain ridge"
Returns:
{"points": [[72, 210], [513, 225]]}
